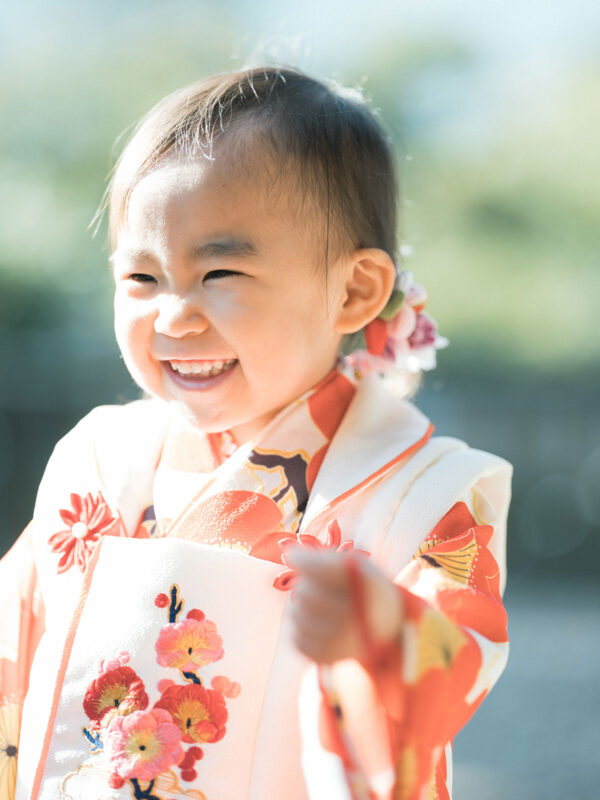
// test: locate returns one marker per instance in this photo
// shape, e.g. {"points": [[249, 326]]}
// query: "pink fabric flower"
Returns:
{"points": [[403, 324], [425, 332], [416, 294], [189, 644], [89, 519], [285, 580], [143, 744], [402, 339], [362, 362]]}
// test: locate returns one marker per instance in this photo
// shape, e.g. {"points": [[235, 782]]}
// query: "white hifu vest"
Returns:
{"points": [[390, 504]]}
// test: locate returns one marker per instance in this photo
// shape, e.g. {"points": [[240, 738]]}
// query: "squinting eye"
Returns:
{"points": [[220, 273], [140, 277]]}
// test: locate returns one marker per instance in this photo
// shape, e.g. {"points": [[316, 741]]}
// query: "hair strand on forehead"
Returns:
{"points": [[319, 142]]}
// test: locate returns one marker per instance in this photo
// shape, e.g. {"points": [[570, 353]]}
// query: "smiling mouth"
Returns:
{"points": [[201, 369]]}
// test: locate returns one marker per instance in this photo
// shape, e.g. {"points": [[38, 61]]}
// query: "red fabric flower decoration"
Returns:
{"points": [[116, 692], [376, 335], [89, 519], [200, 713], [284, 582]]}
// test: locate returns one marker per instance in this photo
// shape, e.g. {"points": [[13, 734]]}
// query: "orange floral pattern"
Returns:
{"points": [[427, 682]]}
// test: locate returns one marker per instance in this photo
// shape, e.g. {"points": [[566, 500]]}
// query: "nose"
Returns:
{"points": [[179, 316]]}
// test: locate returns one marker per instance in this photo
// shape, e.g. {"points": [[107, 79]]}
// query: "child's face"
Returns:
{"points": [[215, 277]]}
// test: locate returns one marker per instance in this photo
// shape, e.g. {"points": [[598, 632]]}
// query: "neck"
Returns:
{"points": [[250, 430]]}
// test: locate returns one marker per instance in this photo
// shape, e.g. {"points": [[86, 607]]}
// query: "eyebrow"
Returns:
{"points": [[230, 245]]}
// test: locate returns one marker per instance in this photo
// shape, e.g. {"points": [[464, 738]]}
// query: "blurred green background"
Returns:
{"points": [[494, 110]]}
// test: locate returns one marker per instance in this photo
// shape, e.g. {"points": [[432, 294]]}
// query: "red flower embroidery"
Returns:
{"points": [[200, 713], [116, 692], [187, 763], [89, 519], [140, 744], [284, 582]]}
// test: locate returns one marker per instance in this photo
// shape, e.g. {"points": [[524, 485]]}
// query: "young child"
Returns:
{"points": [[266, 579]]}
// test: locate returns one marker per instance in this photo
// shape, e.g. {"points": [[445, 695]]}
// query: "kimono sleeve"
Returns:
{"points": [[21, 627], [454, 644], [420, 690]]}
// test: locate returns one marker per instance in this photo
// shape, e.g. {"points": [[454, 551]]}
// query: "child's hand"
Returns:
{"points": [[325, 624]]}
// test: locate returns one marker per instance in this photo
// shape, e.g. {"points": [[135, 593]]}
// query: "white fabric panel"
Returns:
{"points": [[120, 615]]}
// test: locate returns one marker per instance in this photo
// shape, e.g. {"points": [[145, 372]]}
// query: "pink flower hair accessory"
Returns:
{"points": [[402, 337]]}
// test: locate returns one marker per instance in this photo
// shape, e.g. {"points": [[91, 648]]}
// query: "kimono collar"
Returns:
{"points": [[378, 432], [147, 455], [127, 442]]}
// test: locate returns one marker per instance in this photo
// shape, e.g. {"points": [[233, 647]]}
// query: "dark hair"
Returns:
{"points": [[340, 156]]}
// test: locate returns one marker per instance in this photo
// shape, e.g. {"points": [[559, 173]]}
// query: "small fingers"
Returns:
{"points": [[324, 566], [320, 612], [315, 597], [316, 637]]}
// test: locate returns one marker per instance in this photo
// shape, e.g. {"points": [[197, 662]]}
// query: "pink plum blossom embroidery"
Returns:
{"points": [[189, 644], [88, 519], [143, 744], [138, 745]]}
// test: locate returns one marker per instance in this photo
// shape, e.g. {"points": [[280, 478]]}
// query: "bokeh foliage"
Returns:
{"points": [[505, 232]]}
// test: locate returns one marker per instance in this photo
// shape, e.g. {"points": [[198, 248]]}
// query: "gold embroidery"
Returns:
{"points": [[97, 771], [438, 640]]}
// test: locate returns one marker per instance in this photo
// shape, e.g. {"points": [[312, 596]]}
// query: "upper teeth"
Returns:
{"points": [[202, 368]]}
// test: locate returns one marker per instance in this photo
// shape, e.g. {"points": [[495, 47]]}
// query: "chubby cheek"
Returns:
{"points": [[268, 354], [134, 337]]}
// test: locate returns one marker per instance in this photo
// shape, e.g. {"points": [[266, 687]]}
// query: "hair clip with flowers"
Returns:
{"points": [[402, 337]]}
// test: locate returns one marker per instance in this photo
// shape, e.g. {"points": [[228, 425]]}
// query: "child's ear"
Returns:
{"points": [[369, 279]]}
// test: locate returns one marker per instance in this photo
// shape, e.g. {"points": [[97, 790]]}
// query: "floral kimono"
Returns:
{"points": [[145, 647]]}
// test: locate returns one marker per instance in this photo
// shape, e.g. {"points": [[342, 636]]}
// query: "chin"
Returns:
{"points": [[204, 422]]}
